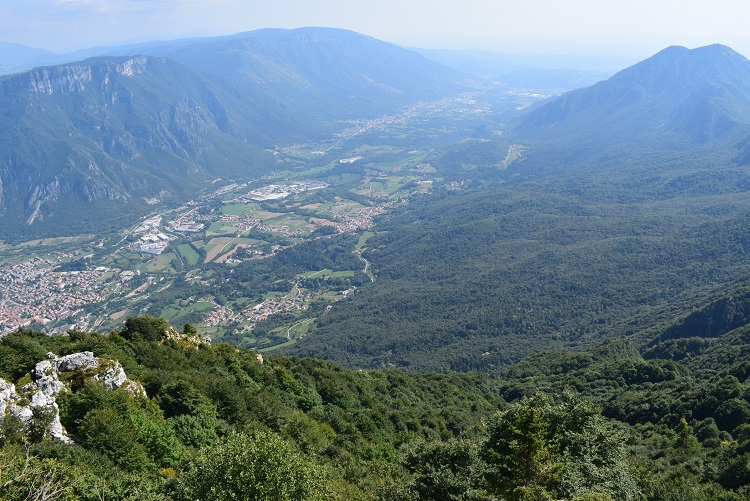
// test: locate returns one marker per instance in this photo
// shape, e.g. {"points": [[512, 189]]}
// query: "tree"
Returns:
{"points": [[309, 435], [145, 328], [541, 449], [23, 476], [450, 470], [525, 464], [261, 466], [106, 431]]}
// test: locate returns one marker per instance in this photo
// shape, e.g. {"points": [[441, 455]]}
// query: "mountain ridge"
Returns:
{"points": [[106, 123], [124, 128], [703, 92]]}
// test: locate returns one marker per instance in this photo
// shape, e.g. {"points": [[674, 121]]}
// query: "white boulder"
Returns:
{"points": [[38, 397]]}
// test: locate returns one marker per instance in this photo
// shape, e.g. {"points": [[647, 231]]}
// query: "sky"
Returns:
{"points": [[622, 28]]}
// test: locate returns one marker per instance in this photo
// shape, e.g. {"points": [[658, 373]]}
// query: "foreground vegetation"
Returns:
{"points": [[219, 423]]}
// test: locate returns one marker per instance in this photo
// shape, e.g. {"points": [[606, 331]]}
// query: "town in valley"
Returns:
{"points": [[168, 263]]}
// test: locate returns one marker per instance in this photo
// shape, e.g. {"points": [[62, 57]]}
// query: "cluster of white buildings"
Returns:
{"points": [[32, 292], [152, 239], [276, 192], [152, 243]]}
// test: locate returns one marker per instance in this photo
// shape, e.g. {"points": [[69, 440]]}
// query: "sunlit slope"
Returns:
{"points": [[115, 130]]}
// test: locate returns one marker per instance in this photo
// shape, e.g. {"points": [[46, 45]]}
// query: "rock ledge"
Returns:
{"points": [[35, 403]]}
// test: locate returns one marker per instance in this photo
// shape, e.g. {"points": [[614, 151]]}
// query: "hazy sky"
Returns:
{"points": [[630, 28]]}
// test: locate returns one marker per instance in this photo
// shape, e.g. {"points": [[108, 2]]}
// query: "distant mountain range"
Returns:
{"points": [[161, 119], [677, 100], [631, 194], [558, 72], [15, 57]]}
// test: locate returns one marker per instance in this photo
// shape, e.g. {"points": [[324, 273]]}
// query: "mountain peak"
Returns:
{"points": [[709, 51], [704, 92], [678, 69], [718, 49]]}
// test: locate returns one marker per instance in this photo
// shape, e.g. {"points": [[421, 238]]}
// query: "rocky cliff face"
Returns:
{"points": [[109, 133], [35, 404], [114, 132], [71, 78], [62, 79]]}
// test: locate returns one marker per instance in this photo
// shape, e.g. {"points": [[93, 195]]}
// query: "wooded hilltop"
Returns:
{"points": [[220, 422]]}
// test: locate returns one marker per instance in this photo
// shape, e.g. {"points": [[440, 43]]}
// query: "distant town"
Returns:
{"points": [[88, 283], [39, 292]]}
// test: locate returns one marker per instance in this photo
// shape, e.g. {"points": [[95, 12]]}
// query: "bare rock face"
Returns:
{"points": [[194, 340], [113, 377], [45, 378], [109, 372], [8, 398], [84, 360], [37, 398], [41, 404]]}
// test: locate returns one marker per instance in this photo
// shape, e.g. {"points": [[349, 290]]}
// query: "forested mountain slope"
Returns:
{"points": [[218, 422], [621, 204], [477, 280], [102, 135]]}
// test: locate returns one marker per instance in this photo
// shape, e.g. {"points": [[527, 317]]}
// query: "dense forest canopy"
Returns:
{"points": [[219, 422], [476, 279]]}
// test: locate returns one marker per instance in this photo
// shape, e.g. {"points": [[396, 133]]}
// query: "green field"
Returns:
{"points": [[56, 241], [278, 346], [239, 209], [368, 148], [188, 253], [248, 241], [321, 273], [159, 264], [329, 273], [289, 220], [222, 228], [343, 274], [216, 246], [174, 311], [363, 239]]}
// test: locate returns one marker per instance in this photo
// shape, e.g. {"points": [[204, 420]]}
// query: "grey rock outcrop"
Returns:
{"points": [[84, 360], [194, 340], [8, 398], [45, 378], [27, 410], [36, 400]]}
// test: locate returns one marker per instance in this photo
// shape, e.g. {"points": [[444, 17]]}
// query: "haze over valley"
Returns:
{"points": [[376, 271]]}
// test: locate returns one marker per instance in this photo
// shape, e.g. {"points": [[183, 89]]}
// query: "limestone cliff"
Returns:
{"points": [[71, 78], [35, 403]]}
